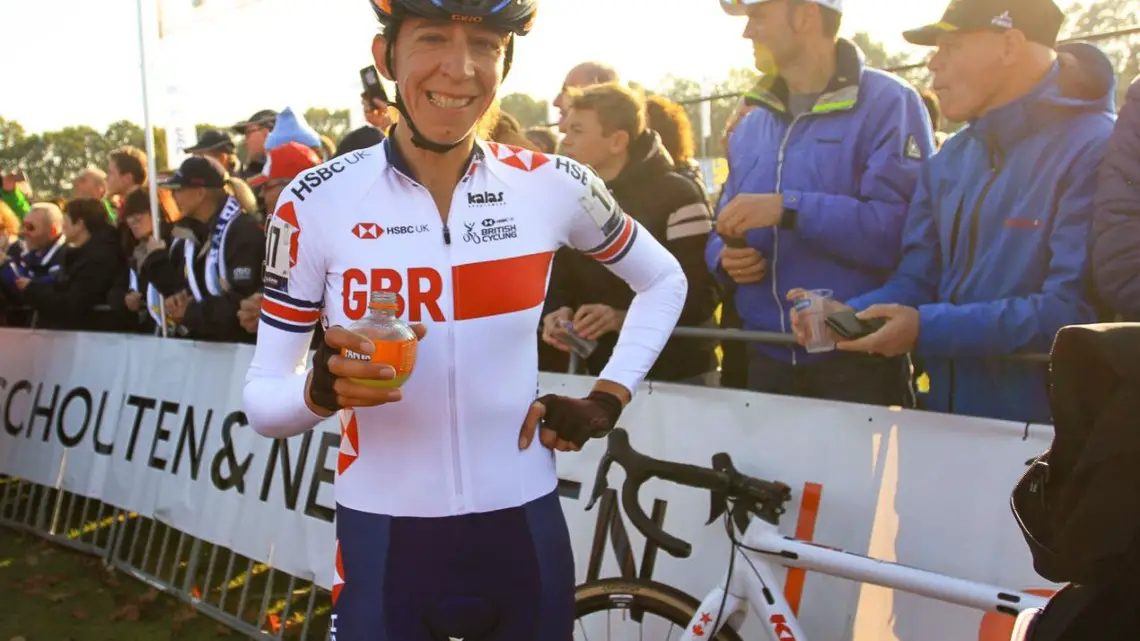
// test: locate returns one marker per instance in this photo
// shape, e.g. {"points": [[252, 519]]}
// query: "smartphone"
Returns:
{"points": [[370, 78], [734, 242], [850, 327]]}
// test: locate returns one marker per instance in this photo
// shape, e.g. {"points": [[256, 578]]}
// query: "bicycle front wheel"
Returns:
{"points": [[624, 605]]}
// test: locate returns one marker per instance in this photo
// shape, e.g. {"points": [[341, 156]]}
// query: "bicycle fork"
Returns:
{"points": [[752, 584]]}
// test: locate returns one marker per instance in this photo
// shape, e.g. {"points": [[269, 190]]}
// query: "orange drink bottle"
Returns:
{"points": [[394, 340]]}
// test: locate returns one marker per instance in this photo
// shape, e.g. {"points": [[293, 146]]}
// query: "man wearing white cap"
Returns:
{"points": [[820, 177]]}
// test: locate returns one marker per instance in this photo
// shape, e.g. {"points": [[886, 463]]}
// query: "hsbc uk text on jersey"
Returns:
{"points": [[316, 177]]}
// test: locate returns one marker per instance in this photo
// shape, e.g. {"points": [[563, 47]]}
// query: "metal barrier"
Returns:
{"points": [[774, 338], [268, 605]]}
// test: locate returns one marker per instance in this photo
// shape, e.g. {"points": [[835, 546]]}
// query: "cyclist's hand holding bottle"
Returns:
{"points": [[567, 423], [365, 364]]}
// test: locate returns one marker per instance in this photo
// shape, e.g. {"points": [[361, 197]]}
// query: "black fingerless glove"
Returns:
{"points": [[321, 388], [580, 419]]}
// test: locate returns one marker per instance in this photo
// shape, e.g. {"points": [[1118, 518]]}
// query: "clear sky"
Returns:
{"points": [[77, 61]]}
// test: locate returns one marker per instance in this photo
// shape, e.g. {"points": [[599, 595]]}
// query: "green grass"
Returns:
{"points": [[50, 593]]}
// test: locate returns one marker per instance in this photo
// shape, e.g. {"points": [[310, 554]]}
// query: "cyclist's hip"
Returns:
{"points": [[506, 575]]}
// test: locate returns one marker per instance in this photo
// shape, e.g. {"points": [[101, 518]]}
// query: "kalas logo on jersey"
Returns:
{"points": [[316, 177], [485, 199], [490, 230], [367, 230]]}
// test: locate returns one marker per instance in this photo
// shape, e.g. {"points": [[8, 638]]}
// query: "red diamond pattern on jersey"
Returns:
{"points": [[338, 576], [349, 441], [518, 157], [367, 231]]}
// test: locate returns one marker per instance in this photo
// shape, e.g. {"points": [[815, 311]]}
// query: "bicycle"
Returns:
{"points": [[751, 508]]}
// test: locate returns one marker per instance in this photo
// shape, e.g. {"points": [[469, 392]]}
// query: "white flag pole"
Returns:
{"points": [[152, 162]]}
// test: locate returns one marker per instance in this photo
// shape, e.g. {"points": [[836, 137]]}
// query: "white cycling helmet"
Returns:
{"points": [[740, 7]]}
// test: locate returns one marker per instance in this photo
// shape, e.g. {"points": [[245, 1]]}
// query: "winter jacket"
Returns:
{"points": [[672, 208], [1116, 225], [69, 300], [846, 168], [996, 247], [16, 201]]}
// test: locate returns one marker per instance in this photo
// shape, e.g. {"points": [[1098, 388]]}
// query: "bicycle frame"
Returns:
{"points": [[754, 584]]}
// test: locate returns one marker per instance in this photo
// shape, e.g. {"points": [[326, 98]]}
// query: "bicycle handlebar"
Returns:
{"points": [[722, 479]]}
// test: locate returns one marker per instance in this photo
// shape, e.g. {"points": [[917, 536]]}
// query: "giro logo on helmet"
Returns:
{"points": [[462, 18]]}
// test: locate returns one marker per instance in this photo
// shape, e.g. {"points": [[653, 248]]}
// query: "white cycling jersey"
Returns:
{"points": [[362, 223]]}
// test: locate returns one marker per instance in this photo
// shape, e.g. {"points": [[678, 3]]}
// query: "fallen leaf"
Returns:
{"points": [[59, 597], [31, 560], [110, 578], [150, 596], [221, 631], [184, 614], [80, 614], [17, 639], [129, 612]]}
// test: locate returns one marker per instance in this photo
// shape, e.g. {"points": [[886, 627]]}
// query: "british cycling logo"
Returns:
{"points": [[316, 177], [490, 230]]}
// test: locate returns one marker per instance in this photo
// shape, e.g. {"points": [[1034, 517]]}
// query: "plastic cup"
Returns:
{"points": [[812, 308], [580, 346]]}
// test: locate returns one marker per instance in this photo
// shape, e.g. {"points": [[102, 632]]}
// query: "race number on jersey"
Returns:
{"points": [[281, 247]]}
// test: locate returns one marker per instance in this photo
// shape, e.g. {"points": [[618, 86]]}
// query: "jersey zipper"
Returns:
{"points": [[452, 395], [776, 232]]}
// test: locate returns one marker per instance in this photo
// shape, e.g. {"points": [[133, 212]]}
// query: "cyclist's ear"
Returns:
{"points": [[380, 56]]}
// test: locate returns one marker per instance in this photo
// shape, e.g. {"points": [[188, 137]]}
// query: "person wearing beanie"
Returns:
{"points": [[291, 127]]}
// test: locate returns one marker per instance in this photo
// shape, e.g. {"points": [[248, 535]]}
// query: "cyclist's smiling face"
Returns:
{"points": [[448, 74]]}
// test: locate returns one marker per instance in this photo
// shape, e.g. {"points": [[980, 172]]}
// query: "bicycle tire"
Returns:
{"points": [[662, 600]]}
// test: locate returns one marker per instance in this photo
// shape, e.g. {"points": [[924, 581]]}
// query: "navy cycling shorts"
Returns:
{"points": [[506, 575]]}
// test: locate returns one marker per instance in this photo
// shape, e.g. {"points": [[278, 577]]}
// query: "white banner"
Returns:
{"points": [[155, 426]]}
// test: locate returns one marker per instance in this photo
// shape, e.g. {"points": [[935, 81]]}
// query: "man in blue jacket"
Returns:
{"points": [[1116, 225], [995, 252], [820, 175]]}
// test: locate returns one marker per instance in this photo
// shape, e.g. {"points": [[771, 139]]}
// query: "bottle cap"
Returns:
{"points": [[383, 300]]}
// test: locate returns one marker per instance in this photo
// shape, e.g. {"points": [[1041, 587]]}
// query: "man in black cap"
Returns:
{"points": [[216, 144], [995, 249], [225, 246], [255, 130]]}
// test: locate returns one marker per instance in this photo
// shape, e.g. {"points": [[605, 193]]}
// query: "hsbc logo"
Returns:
{"points": [[367, 231], [372, 231], [398, 230]]}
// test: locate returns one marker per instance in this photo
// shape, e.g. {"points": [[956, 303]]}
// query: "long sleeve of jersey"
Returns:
{"points": [[610, 236], [294, 286]]}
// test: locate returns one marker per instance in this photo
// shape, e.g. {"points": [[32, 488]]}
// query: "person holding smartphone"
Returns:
{"points": [[378, 113]]}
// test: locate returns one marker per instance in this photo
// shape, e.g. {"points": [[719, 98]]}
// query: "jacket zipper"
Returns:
{"points": [[971, 255], [776, 231], [453, 403]]}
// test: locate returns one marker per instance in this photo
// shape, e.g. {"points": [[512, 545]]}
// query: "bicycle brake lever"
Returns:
{"points": [[601, 483], [718, 504]]}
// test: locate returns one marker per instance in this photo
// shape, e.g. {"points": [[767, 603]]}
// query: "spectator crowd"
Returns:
{"points": [[966, 250]]}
